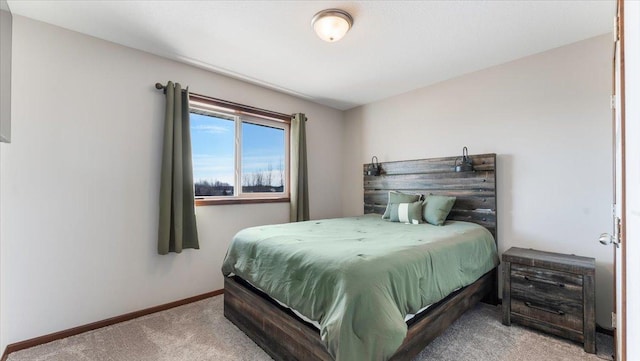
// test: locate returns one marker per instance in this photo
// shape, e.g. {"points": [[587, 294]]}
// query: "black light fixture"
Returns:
{"points": [[465, 164], [374, 167]]}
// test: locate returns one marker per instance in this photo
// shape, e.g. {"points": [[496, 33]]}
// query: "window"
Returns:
{"points": [[238, 156]]}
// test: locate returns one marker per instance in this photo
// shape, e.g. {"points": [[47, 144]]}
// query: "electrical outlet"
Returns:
{"points": [[613, 319]]}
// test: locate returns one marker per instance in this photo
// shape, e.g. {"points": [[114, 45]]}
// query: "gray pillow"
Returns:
{"points": [[437, 208], [407, 212], [396, 197]]}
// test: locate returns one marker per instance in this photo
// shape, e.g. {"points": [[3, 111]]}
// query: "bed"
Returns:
{"points": [[332, 271]]}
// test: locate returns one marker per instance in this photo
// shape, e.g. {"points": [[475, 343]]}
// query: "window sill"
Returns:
{"points": [[224, 201]]}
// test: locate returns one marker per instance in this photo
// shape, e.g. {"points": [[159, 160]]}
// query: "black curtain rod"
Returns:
{"points": [[235, 106]]}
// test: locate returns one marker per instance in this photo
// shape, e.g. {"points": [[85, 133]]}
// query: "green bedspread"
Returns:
{"points": [[358, 277]]}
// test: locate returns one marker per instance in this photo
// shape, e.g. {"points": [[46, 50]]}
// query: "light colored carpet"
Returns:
{"points": [[199, 331]]}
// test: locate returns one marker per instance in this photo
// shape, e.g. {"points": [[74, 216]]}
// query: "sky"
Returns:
{"points": [[212, 143]]}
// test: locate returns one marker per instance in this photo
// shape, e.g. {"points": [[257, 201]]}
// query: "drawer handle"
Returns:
{"points": [[561, 285], [558, 312]]}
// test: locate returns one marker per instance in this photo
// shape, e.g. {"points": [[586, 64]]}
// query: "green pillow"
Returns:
{"points": [[437, 208], [407, 212], [396, 197]]}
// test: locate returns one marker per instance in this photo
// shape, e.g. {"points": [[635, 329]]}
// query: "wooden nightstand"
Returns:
{"points": [[551, 292]]}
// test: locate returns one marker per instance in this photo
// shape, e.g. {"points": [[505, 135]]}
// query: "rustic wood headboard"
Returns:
{"points": [[475, 191]]}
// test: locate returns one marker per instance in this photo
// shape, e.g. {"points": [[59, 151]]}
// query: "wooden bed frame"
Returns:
{"points": [[284, 336]]}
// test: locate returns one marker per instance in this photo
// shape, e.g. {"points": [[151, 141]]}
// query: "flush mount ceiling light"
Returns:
{"points": [[332, 24]]}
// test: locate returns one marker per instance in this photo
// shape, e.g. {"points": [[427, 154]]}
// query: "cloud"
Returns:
{"points": [[211, 129], [256, 163], [210, 167]]}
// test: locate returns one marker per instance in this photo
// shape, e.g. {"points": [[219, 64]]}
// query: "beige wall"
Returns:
{"points": [[547, 117], [79, 182]]}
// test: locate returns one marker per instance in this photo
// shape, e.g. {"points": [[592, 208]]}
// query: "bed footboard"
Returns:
{"points": [[284, 336], [277, 330]]}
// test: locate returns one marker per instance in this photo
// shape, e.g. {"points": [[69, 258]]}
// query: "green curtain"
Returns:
{"points": [[177, 225], [299, 205]]}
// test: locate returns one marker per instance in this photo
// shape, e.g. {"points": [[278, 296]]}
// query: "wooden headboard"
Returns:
{"points": [[475, 191]]}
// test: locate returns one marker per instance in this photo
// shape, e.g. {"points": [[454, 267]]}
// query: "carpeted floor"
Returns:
{"points": [[199, 331]]}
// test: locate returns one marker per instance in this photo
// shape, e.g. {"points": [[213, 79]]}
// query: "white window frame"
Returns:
{"points": [[242, 117]]}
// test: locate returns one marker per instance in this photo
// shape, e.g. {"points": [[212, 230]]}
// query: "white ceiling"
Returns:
{"points": [[393, 47]]}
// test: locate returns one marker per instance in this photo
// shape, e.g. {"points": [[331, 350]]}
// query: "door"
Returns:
{"points": [[619, 187], [618, 237]]}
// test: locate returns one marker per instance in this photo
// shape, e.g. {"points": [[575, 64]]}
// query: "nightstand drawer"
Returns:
{"points": [[568, 316], [546, 276], [546, 287]]}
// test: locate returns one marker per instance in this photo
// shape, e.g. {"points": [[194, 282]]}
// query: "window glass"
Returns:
{"points": [[263, 157], [213, 152]]}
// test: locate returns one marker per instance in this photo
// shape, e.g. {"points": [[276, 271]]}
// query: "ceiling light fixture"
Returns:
{"points": [[332, 24]]}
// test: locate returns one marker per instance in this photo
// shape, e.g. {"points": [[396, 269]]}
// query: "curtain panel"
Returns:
{"points": [[177, 222], [299, 200]]}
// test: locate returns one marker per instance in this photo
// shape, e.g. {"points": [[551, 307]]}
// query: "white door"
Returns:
{"points": [[619, 179], [617, 238]]}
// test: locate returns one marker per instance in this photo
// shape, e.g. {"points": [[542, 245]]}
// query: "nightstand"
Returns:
{"points": [[551, 292]]}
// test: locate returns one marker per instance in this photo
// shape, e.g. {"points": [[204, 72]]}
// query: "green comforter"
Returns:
{"points": [[359, 277]]}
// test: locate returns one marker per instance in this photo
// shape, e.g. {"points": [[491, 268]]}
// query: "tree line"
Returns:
{"points": [[260, 181]]}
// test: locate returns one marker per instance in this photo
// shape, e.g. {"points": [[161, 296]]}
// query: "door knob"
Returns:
{"points": [[605, 239]]}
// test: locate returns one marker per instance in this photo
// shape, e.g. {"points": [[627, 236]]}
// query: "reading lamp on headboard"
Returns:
{"points": [[465, 165], [374, 167]]}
